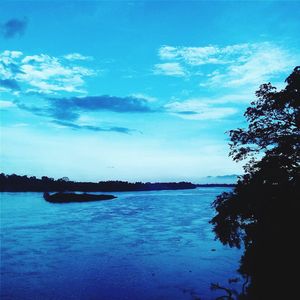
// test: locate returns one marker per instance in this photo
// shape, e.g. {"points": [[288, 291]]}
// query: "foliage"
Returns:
{"points": [[16, 183], [261, 214]]}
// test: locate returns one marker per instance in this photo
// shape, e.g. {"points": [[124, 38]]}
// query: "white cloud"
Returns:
{"points": [[7, 56], [43, 73], [243, 97], [144, 97], [169, 69], [77, 56], [212, 108], [168, 52], [233, 66], [195, 109], [20, 125], [260, 65], [35, 58], [203, 55], [6, 104]]}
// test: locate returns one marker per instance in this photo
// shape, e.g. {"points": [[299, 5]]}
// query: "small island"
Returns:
{"points": [[72, 197]]}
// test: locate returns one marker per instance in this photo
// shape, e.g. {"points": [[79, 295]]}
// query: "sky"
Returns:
{"points": [[139, 90]]}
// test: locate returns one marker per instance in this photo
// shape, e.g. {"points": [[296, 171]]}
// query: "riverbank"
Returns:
{"points": [[17, 183]]}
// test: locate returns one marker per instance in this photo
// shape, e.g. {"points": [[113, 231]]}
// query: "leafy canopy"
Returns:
{"points": [[261, 213]]}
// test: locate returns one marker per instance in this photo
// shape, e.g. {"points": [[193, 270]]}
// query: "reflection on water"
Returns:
{"points": [[143, 245]]}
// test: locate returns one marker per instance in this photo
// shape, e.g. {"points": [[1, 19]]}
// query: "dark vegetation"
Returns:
{"points": [[15, 183], [216, 185], [73, 197], [261, 214]]}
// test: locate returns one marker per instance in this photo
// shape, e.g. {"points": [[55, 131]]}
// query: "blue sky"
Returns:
{"points": [[135, 90]]}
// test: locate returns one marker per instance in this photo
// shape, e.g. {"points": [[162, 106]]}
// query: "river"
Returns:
{"points": [[141, 246]]}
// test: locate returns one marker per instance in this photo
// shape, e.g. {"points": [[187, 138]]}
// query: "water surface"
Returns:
{"points": [[142, 245]]}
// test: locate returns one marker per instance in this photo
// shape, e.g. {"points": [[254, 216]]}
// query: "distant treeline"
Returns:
{"points": [[16, 183], [216, 185]]}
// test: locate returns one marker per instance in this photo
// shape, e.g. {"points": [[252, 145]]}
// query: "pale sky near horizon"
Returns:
{"points": [[138, 90]]}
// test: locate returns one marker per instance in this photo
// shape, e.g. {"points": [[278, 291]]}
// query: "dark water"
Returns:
{"points": [[143, 245]]}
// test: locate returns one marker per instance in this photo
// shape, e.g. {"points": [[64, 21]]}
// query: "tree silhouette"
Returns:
{"points": [[261, 214], [16, 183]]}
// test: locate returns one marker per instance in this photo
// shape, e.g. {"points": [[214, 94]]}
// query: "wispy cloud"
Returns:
{"points": [[71, 112], [77, 56], [6, 104], [144, 97], [74, 111], [199, 109], [210, 108], [13, 28], [264, 62], [230, 66], [204, 55], [75, 126], [169, 69], [41, 73]]}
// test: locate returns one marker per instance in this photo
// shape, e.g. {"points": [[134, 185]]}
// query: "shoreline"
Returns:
{"points": [[108, 191], [17, 183]]}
